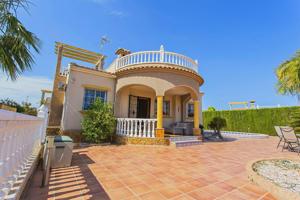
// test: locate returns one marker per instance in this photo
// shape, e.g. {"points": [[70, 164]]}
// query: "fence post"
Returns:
{"points": [[43, 112], [161, 53]]}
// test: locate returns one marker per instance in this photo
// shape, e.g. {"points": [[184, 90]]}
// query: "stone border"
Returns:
{"points": [[142, 141], [275, 190], [241, 135]]}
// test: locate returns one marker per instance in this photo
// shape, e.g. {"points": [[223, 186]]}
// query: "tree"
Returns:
{"points": [[211, 108], [15, 40], [217, 123], [98, 122], [25, 107], [12, 103], [28, 109], [288, 75]]}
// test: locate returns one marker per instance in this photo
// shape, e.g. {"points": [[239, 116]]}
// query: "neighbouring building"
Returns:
{"points": [[153, 93]]}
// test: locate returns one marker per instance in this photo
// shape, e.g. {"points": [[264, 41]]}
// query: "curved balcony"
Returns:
{"points": [[160, 56]]}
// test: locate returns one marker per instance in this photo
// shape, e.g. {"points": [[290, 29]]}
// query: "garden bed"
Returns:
{"points": [[281, 177]]}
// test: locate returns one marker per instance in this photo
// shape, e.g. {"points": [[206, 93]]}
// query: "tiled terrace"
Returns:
{"points": [[207, 171]]}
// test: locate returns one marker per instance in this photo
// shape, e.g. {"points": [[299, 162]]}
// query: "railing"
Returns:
{"points": [[135, 127], [20, 142], [156, 57]]}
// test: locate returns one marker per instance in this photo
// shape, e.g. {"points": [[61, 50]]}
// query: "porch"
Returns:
{"points": [[142, 112]]}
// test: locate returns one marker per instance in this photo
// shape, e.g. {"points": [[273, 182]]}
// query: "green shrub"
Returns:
{"points": [[217, 123], [98, 122], [252, 120], [295, 120], [211, 108]]}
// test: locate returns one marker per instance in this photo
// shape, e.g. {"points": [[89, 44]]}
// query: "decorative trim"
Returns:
{"points": [[97, 87], [160, 68], [74, 67], [141, 141]]}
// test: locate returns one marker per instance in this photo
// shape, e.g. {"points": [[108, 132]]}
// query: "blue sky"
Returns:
{"points": [[238, 43]]}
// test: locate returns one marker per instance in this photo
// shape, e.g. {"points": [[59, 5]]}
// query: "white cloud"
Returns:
{"points": [[25, 87], [117, 13], [101, 2]]}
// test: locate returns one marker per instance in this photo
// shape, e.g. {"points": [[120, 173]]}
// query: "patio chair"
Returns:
{"points": [[291, 139], [279, 134]]}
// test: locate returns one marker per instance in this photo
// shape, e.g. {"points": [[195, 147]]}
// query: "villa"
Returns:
{"points": [[151, 91]]}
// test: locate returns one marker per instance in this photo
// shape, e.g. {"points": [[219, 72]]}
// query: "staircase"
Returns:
{"points": [[183, 141]]}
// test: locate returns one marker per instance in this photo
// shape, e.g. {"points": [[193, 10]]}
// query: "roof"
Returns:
{"points": [[91, 70], [79, 53]]}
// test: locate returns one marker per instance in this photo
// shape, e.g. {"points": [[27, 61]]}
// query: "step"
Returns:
{"points": [[183, 138], [186, 143]]}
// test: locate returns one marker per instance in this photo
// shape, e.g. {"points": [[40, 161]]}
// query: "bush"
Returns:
{"points": [[295, 120], [217, 123], [98, 122], [253, 120], [25, 107], [211, 108]]}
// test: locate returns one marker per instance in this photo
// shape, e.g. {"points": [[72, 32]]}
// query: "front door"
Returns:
{"points": [[139, 107], [143, 107]]}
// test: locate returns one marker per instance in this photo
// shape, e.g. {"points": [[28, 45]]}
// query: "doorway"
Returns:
{"points": [[139, 107]]}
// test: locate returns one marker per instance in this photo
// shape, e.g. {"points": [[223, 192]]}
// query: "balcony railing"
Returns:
{"points": [[160, 56], [135, 127]]}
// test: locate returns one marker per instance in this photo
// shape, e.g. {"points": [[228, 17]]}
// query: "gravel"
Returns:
{"points": [[284, 173]]}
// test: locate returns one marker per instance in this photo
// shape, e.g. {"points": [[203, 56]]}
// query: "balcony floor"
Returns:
{"points": [[208, 171]]}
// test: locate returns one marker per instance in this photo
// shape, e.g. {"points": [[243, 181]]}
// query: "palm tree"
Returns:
{"points": [[15, 40], [288, 74]]}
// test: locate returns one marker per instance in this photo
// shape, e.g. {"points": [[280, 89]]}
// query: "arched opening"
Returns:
{"points": [[135, 101], [183, 110]]}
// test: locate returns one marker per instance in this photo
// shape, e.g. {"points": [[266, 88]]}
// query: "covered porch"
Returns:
{"points": [[144, 111]]}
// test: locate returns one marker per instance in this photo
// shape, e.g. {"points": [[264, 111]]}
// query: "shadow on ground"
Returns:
{"points": [[76, 181]]}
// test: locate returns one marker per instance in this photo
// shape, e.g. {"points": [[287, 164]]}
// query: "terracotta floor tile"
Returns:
{"points": [[255, 189], [170, 192], [214, 190], [225, 186], [183, 197], [140, 188], [152, 196], [120, 193], [113, 184], [186, 187], [126, 171], [201, 195]]}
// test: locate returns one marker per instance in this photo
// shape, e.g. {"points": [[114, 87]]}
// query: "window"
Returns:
{"points": [[190, 110], [90, 95], [166, 108]]}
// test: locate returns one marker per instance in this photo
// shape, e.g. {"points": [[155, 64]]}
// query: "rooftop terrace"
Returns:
{"points": [[150, 57]]}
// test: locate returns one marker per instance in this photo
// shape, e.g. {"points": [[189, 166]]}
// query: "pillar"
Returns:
{"points": [[196, 129], [159, 129]]}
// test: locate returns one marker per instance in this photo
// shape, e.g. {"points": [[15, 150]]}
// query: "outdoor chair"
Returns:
{"points": [[291, 139], [279, 134]]}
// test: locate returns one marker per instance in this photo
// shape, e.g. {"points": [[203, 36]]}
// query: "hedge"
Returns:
{"points": [[252, 120]]}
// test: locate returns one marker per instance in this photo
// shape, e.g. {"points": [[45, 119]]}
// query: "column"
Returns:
{"points": [[159, 129], [196, 129]]}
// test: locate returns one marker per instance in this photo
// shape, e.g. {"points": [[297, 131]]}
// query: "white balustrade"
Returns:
{"points": [[135, 127], [20, 141], [155, 57]]}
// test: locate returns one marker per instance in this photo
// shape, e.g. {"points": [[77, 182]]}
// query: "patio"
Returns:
{"points": [[208, 171]]}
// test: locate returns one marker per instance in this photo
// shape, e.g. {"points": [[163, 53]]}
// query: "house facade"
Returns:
{"points": [[150, 91]]}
